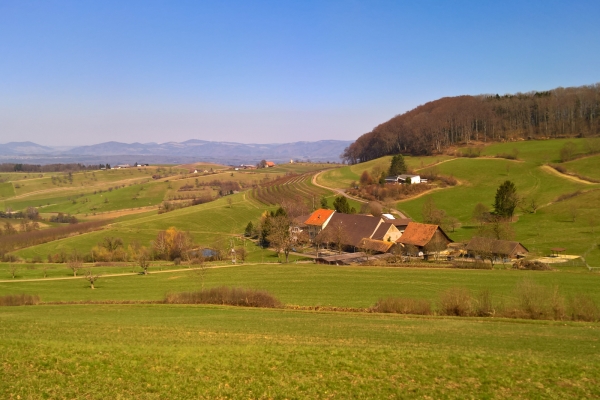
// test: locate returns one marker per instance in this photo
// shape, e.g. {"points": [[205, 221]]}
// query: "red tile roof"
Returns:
{"points": [[319, 217], [419, 234]]}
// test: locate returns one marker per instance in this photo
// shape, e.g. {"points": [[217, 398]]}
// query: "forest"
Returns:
{"points": [[435, 126]]}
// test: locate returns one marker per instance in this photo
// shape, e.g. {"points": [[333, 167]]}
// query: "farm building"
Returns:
{"points": [[403, 179], [317, 221], [425, 237], [269, 164], [353, 231], [499, 248], [400, 223]]}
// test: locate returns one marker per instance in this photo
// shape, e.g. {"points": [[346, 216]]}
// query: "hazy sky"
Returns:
{"points": [[83, 72]]}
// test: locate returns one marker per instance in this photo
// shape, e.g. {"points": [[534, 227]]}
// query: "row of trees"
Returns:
{"points": [[18, 167], [434, 126]]}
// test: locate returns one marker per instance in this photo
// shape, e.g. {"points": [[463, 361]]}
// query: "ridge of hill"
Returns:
{"points": [[433, 127], [175, 152]]}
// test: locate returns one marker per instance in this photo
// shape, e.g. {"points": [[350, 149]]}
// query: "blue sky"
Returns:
{"points": [[83, 72]]}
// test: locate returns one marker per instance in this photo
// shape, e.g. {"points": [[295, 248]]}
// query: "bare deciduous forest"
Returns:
{"points": [[437, 125]]}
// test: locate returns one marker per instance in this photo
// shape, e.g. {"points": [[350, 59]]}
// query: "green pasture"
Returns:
{"points": [[206, 222], [536, 151], [551, 226], [6, 190], [170, 351], [299, 284], [87, 179], [586, 166]]}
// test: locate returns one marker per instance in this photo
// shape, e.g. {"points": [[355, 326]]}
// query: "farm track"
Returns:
{"points": [[552, 171]]}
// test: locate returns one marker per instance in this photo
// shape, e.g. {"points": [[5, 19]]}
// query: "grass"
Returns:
{"points": [[536, 151], [551, 226], [302, 284], [181, 351], [587, 166]]}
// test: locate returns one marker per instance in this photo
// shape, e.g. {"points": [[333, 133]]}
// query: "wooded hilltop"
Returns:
{"points": [[435, 126]]}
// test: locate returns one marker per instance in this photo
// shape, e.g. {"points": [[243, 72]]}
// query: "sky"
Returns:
{"points": [[83, 72]]}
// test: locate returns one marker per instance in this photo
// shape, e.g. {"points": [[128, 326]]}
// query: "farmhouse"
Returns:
{"points": [[317, 221], [498, 248], [424, 237], [353, 231], [269, 164], [403, 179]]}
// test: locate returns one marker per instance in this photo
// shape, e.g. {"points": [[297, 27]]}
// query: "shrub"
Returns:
{"points": [[401, 305], [19, 300], [478, 264], [484, 306], [537, 302], [224, 295], [456, 301], [583, 308]]}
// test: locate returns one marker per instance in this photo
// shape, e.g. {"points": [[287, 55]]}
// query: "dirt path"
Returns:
{"points": [[343, 193], [66, 278], [434, 164], [552, 171]]}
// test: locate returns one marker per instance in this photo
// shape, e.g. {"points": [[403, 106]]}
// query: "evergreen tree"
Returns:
{"points": [[398, 166], [249, 229], [324, 202], [506, 200], [341, 205]]}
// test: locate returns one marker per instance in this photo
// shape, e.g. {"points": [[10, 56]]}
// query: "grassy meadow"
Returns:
{"points": [[153, 351], [162, 351]]}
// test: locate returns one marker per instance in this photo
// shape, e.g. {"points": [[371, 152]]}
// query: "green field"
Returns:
{"points": [[152, 351], [156, 351], [301, 284], [586, 166], [159, 351]]}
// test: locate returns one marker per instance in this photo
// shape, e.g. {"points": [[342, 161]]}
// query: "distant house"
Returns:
{"points": [[269, 164], [404, 178], [497, 248], [424, 237], [122, 166]]}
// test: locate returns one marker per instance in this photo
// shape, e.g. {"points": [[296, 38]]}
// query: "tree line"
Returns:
{"points": [[17, 167], [437, 125]]}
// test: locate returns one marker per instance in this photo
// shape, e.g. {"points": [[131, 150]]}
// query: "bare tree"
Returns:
{"points": [[143, 260], [573, 212], [338, 236], [91, 278], [75, 265], [200, 271], [280, 237], [481, 214], [13, 268]]}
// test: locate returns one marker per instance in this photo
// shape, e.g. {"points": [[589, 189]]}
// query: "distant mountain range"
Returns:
{"points": [[174, 152]]}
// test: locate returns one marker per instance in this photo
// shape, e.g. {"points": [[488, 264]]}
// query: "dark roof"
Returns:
{"points": [[355, 227], [381, 231], [342, 258], [499, 247], [398, 222], [418, 234]]}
